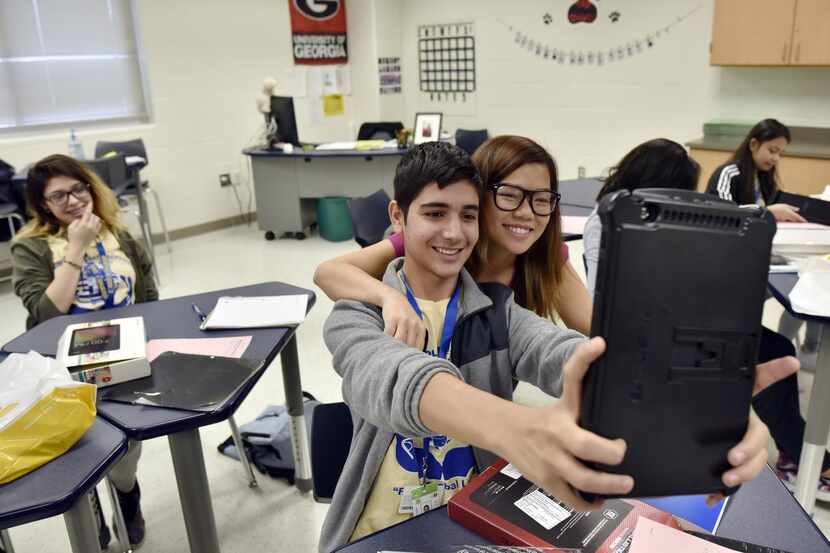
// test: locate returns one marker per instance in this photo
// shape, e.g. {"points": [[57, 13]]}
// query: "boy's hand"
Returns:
{"points": [[750, 455], [401, 322], [549, 447], [747, 458]]}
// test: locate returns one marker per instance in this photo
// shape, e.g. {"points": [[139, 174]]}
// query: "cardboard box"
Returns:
{"points": [[105, 352]]}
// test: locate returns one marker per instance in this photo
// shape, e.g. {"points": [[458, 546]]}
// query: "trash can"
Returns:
{"points": [[333, 218]]}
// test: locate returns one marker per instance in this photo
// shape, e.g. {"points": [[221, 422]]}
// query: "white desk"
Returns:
{"points": [[818, 415], [288, 184]]}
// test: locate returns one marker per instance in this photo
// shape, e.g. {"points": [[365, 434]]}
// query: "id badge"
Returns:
{"points": [[427, 497], [405, 508]]}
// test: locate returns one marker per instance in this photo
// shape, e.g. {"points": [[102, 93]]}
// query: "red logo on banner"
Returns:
{"points": [[318, 31]]}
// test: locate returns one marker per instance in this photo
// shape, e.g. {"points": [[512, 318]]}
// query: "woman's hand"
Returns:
{"points": [[550, 448], [786, 213], [401, 322], [82, 232]]}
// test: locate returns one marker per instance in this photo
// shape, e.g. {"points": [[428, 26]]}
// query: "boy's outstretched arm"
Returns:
{"points": [[545, 443]]}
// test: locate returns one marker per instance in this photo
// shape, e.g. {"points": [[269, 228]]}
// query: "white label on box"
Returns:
{"points": [[544, 510], [511, 471]]}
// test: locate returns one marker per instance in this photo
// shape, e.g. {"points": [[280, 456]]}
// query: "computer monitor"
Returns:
{"points": [[282, 113]]}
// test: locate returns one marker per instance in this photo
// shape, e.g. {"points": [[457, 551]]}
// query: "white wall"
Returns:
{"points": [[590, 115], [206, 60]]}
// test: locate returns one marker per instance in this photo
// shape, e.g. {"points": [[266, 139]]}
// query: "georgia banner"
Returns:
{"points": [[318, 31]]}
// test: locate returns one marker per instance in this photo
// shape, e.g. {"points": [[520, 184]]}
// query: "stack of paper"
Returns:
{"points": [[811, 294], [801, 238], [257, 312], [337, 146]]}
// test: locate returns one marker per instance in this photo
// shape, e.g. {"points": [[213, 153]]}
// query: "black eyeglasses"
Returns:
{"points": [[508, 197], [80, 191]]}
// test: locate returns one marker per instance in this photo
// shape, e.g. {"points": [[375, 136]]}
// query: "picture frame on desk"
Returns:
{"points": [[427, 127]]}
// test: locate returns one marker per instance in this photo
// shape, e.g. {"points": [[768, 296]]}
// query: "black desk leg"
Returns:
{"points": [[294, 402], [194, 491], [82, 527]]}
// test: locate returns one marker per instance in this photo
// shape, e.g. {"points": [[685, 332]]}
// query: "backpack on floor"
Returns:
{"points": [[267, 440]]}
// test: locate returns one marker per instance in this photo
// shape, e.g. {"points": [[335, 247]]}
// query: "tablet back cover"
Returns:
{"points": [[680, 290], [187, 381]]}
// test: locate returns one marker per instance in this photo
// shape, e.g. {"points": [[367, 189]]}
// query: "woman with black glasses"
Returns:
{"points": [[76, 256], [520, 245]]}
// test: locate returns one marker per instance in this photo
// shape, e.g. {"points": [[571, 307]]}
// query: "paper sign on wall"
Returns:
{"points": [[318, 31], [333, 105], [389, 71]]}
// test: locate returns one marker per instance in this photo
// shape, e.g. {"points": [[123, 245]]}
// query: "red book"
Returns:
{"points": [[506, 509]]}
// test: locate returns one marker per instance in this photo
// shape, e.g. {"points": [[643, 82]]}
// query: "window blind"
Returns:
{"points": [[67, 62]]}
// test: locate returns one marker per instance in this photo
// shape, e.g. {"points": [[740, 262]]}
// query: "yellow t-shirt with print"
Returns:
{"points": [[450, 463], [107, 277]]}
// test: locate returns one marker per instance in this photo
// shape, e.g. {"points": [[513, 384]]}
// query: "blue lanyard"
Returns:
{"points": [[449, 318]]}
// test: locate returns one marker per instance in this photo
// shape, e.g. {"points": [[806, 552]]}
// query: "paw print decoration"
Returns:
{"points": [[547, 19]]}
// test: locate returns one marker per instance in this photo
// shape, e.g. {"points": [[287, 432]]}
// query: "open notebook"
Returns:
{"points": [[256, 312]]}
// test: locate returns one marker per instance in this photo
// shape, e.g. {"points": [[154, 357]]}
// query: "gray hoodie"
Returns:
{"points": [[495, 343]]}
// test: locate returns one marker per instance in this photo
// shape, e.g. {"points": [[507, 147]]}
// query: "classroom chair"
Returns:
{"points": [[136, 186], [370, 217], [331, 439], [113, 171], [469, 141], [383, 130]]}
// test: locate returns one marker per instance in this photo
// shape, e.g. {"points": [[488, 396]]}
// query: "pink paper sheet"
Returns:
{"points": [[573, 224], [234, 346], [653, 537]]}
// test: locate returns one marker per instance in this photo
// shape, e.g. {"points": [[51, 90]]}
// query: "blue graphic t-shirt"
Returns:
{"points": [[107, 278], [408, 461]]}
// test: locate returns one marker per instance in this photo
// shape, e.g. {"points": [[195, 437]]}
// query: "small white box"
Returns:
{"points": [[105, 352]]}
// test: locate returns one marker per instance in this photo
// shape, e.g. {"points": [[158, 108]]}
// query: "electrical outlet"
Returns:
{"points": [[225, 179], [580, 172]]}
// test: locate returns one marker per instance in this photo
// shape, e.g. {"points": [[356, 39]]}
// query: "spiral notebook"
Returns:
{"points": [[256, 312]]}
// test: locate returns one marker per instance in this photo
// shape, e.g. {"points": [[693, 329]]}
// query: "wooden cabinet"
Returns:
{"points": [[771, 32], [811, 33], [799, 175], [752, 32]]}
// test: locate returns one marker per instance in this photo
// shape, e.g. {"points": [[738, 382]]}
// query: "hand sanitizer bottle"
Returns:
{"points": [[76, 149]]}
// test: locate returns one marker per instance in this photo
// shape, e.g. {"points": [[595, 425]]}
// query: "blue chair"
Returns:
{"points": [[370, 217], [331, 440], [469, 141]]}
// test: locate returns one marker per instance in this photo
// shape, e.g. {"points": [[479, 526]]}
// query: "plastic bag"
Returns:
{"points": [[43, 412]]}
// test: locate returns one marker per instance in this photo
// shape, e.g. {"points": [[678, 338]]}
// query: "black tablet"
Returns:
{"points": [[814, 210], [680, 290]]}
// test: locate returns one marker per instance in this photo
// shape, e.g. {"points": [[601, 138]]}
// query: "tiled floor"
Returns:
{"points": [[274, 517]]}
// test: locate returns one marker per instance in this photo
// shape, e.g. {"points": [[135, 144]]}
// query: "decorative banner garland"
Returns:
{"points": [[592, 57]]}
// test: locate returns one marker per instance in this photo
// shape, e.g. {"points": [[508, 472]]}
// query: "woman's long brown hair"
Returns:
{"points": [[43, 222], [538, 271]]}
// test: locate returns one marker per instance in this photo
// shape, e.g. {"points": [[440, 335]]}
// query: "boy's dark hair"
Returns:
{"points": [[438, 162], [658, 163], [763, 131]]}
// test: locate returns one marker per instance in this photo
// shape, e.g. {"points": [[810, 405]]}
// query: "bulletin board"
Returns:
{"points": [[447, 67]]}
